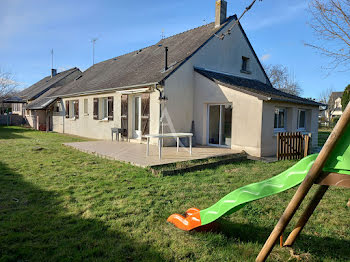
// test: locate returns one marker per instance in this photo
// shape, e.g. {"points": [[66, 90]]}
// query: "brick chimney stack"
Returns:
{"points": [[53, 72], [220, 12]]}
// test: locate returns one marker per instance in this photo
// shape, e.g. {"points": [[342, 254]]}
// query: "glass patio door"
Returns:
{"points": [[137, 117], [219, 125]]}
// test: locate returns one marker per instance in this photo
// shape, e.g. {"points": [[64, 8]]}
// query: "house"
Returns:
{"points": [[335, 106], [34, 104], [207, 80]]}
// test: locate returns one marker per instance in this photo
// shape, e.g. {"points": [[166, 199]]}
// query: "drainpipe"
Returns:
{"points": [[160, 105]]}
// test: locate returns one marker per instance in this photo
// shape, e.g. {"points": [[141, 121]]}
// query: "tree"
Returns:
{"points": [[8, 84], [325, 95], [282, 80], [346, 98], [331, 24]]}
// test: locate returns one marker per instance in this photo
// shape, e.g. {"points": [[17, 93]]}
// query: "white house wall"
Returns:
{"points": [[269, 140], [246, 114], [86, 126], [218, 55]]}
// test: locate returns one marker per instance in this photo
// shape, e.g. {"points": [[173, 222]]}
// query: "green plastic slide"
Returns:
{"points": [[338, 162], [241, 196]]}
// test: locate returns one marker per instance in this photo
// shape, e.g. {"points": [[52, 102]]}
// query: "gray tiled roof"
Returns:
{"points": [[43, 101], [254, 87], [44, 85], [335, 95], [144, 66]]}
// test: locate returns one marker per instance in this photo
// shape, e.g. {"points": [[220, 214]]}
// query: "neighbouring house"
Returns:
{"points": [[335, 107], [200, 80], [34, 104]]}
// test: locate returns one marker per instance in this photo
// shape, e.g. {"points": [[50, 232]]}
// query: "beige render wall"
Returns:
{"points": [[218, 55], [86, 126], [269, 136], [246, 114]]}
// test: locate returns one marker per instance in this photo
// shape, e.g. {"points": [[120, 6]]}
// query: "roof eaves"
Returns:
{"points": [[92, 92], [235, 87]]}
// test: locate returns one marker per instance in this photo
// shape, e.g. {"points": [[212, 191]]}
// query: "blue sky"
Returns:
{"points": [[30, 28]]}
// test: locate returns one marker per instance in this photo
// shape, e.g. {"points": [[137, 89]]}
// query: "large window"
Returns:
{"points": [[301, 119], [86, 106], [72, 109], [280, 119], [220, 125], [103, 108]]}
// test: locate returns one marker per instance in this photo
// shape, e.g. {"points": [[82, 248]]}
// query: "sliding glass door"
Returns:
{"points": [[219, 125]]}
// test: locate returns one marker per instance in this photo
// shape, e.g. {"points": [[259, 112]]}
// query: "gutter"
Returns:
{"points": [[104, 90]]}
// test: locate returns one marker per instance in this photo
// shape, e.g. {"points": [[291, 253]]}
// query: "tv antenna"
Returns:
{"points": [[52, 58], [163, 35], [93, 41]]}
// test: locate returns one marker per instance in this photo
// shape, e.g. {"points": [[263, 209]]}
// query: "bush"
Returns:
{"points": [[346, 97], [335, 120]]}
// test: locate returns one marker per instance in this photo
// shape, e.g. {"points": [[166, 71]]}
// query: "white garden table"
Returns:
{"points": [[168, 135]]}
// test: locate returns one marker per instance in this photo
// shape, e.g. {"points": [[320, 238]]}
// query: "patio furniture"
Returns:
{"points": [[168, 135], [116, 131]]}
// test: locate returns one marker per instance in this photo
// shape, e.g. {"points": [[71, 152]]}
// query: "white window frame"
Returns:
{"points": [[86, 106], [72, 109], [279, 129], [220, 124], [103, 108], [298, 120]]}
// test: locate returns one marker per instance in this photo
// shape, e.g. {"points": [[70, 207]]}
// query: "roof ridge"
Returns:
{"points": [[227, 19], [120, 56]]}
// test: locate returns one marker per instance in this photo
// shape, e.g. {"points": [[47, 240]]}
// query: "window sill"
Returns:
{"points": [[103, 120], [246, 72]]}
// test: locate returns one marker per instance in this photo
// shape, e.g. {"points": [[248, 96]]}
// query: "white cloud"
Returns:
{"points": [[265, 57]]}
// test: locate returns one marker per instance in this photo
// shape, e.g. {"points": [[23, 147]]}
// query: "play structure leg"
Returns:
{"points": [[305, 186], [306, 215]]}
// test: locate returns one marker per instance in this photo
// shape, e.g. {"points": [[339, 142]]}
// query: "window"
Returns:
{"points": [[301, 119], [16, 107], [280, 119], [72, 109], [103, 108], [57, 107], [104, 111], [245, 65], [86, 107]]}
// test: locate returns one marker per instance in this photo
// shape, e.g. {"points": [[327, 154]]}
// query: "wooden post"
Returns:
{"points": [[305, 186], [306, 215], [306, 145]]}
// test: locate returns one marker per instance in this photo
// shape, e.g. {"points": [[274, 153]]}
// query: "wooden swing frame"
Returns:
{"points": [[314, 176]]}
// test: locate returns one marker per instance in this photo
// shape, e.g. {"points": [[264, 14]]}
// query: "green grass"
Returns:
{"points": [[58, 204]]}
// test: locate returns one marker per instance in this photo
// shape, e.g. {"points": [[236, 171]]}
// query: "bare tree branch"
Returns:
{"points": [[8, 84], [331, 24], [282, 80]]}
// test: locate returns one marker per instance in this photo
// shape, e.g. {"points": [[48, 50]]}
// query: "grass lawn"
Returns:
{"points": [[58, 204]]}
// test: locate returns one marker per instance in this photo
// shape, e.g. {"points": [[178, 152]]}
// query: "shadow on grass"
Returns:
{"points": [[318, 246], [36, 226], [11, 132]]}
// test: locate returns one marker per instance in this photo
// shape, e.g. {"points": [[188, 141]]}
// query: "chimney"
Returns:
{"points": [[53, 72], [220, 12]]}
